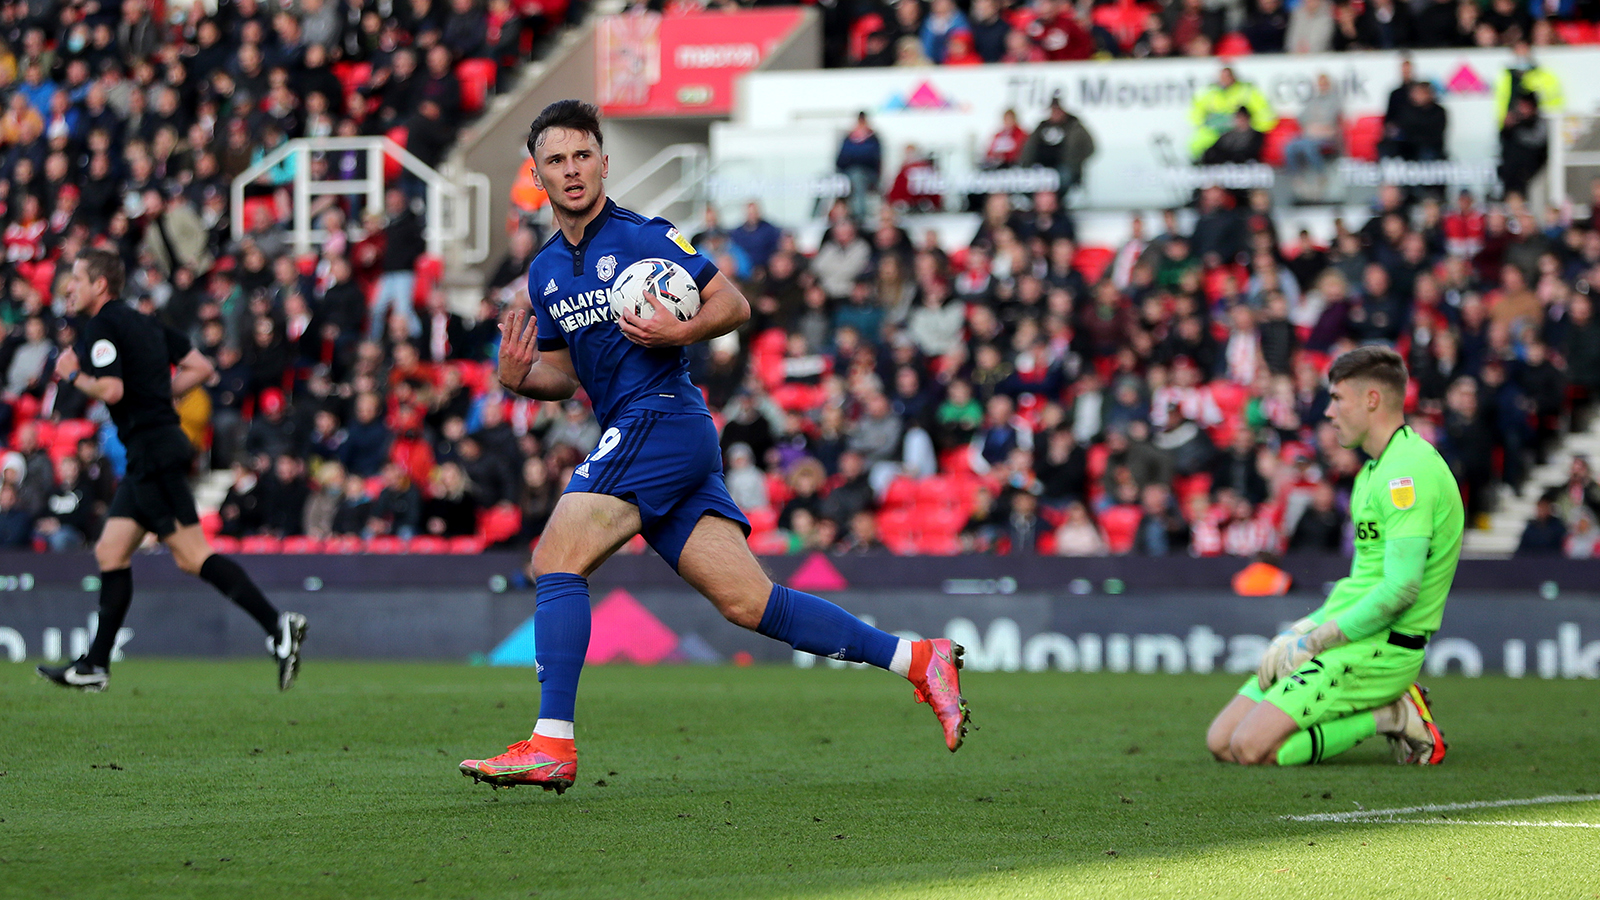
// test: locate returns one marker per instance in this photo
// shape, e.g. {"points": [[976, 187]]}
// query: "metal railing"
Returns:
{"points": [[455, 211], [689, 187]]}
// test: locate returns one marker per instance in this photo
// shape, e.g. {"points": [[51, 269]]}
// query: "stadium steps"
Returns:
{"points": [[1512, 513]]}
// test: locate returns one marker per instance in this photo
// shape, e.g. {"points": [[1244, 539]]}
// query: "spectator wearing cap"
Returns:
{"points": [[272, 430]]}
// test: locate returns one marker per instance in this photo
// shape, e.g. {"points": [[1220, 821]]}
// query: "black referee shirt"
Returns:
{"points": [[124, 343]]}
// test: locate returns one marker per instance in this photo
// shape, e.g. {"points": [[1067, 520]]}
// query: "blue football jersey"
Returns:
{"points": [[570, 287]]}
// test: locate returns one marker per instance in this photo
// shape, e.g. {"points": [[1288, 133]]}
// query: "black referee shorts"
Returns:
{"points": [[155, 492]]}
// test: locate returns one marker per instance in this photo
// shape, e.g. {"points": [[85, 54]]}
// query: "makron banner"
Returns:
{"points": [[648, 64], [1012, 615]]}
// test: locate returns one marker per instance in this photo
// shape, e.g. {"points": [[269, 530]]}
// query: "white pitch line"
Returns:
{"points": [[1501, 823], [1361, 814]]}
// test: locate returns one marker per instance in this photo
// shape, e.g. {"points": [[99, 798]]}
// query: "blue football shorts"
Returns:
{"points": [[667, 464]]}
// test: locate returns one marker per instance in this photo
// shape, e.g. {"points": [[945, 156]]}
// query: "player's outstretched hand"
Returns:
{"points": [[660, 330], [518, 333]]}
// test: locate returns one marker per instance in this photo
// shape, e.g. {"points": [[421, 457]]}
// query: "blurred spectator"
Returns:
{"points": [[1239, 144], [1266, 28], [1320, 135], [1583, 542], [989, 30], [909, 191], [944, 19], [1057, 31], [397, 510], [1022, 528], [863, 534], [16, 522], [1525, 76], [1213, 111], [843, 257], [1419, 127], [68, 520], [322, 505], [1524, 144], [860, 160], [403, 244], [28, 371], [354, 509], [450, 511], [241, 506], [757, 237], [1078, 534], [746, 484], [367, 439], [1310, 30], [284, 492], [1161, 530], [1545, 534], [1061, 142], [1321, 526]]}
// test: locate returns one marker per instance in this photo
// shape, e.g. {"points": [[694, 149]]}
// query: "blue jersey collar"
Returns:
{"points": [[594, 226]]}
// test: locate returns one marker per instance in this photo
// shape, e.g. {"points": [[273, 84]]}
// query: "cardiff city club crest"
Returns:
{"points": [[605, 267]]}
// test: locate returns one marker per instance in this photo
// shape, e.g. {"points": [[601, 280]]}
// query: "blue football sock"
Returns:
{"points": [[810, 623], [560, 641]]}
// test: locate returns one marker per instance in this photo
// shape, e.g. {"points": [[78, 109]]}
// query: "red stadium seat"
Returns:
{"points": [[1120, 523], [301, 544], [778, 492], [1278, 138], [429, 269], [762, 520], [902, 492], [1092, 262], [343, 544], [224, 544], [210, 523], [1125, 20], [931, 544], [860, 29], [261, 543], [1234, 44], [769, 543], [499, 523], [385, 544], [429, 543], [1185, 487], [469, 543], [937, 491], [1361, 138], [1578, 32], [477, 82], [945, 520], [391, 163]]}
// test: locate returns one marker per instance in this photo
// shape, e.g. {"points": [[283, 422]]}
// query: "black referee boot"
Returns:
{"points": [[77, 674]]}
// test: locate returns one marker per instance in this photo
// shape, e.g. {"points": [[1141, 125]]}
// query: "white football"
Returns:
{"points": [[662, 279]]}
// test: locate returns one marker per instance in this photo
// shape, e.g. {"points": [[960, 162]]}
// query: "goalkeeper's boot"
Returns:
{"points": [[285, 647], [550, 763], [1419, 742], [77, 674], [936, 677]]}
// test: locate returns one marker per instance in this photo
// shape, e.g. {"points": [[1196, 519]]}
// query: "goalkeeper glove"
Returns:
{"points": [[1289, 650]]}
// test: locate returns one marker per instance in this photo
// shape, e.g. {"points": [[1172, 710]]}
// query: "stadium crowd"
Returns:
{"points": [[1016, 394], [943, 32]]}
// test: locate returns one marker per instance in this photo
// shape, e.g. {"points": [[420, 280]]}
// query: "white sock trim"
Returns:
{"points": [[901, 664], [553, 728]]}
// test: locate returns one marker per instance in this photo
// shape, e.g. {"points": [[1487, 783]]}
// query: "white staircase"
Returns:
{"points": [[211, 488], [1513, 512]]}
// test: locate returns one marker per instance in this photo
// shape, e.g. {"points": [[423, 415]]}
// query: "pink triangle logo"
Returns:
{"points": [[623, 630], [817, 574], [1466, 81], [926, 96]]}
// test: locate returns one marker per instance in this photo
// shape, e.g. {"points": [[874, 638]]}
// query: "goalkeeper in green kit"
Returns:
{"points": [[1346, 672]]}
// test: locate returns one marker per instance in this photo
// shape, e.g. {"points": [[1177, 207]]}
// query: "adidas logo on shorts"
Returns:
{"points": [[581, 471]]}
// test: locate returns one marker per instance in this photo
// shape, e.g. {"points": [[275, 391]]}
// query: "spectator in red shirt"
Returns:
{"points": [[1057, 31]]}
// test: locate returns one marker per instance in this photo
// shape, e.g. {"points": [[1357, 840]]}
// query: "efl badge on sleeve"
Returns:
{"points": [[1402, 493], [678, 238]]}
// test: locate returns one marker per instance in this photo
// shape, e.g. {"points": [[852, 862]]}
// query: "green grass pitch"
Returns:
{"points": [[197, 779]]}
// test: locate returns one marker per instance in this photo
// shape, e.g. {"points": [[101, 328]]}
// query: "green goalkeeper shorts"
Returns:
{"points": [[1355, 677]]}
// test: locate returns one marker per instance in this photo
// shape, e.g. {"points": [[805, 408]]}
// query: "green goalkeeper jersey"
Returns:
{"points": [[1407, 492]]}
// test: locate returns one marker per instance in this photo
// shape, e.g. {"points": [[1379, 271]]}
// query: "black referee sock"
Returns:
{"points": [[116, 594], [228, 577]]}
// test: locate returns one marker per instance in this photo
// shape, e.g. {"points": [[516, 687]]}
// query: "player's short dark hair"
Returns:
{"points": [[1379, 364], [574, 114], [99, 263]]}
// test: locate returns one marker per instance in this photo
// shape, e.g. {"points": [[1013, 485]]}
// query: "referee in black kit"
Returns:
{"points": [[136, 366]]}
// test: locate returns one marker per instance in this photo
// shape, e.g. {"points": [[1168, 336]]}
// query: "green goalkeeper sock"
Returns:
{"points": [[1319, 742]]}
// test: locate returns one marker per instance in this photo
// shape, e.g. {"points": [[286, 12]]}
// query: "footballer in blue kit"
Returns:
{"points": [[657, 470]]}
